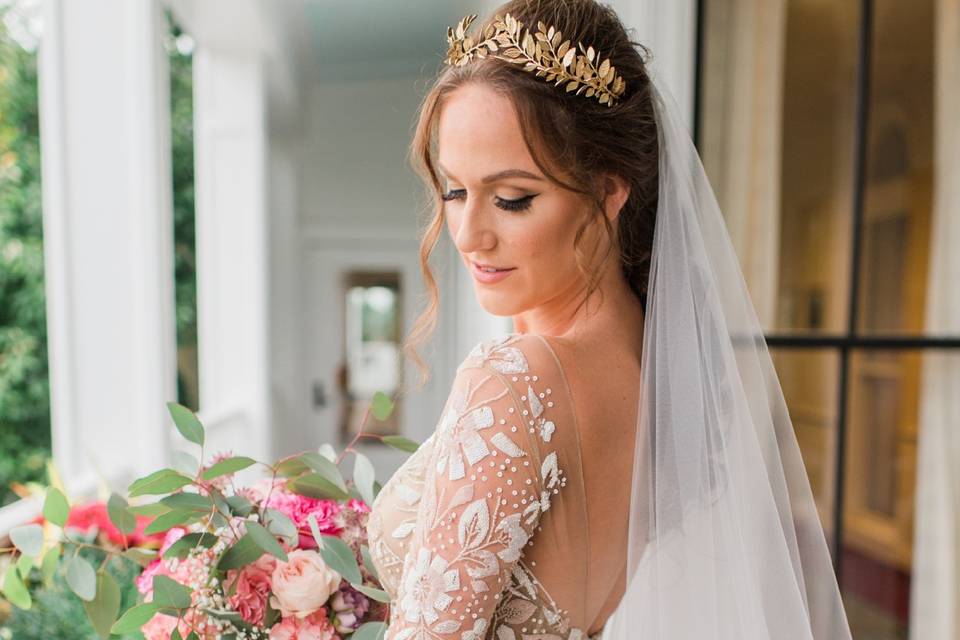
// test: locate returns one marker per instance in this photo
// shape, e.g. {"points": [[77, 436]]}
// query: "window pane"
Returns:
{"points": [[899, 169], [810, 381], [902, 458], [777, 120], [372, 349]]}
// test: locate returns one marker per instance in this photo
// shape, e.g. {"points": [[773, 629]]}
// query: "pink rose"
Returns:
{"points": [[252, 589], [316, 626], [300, 508], [303, 584]]}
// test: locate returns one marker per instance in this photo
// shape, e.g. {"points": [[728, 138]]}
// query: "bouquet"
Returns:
{"points": [[283, 558]]}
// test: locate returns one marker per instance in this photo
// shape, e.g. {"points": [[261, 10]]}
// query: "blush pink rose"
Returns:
{"points": [[303, 584], [316, 626], [252, 589]]}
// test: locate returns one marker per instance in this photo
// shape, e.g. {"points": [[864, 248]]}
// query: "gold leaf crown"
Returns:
{"points": [[541, 52]]}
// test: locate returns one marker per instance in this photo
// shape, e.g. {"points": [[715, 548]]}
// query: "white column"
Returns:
{"points": [[104, 116], [936, 540], [669, 29], [232, 254]]}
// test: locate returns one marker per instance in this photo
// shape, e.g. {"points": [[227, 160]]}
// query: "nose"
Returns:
{"points": [[473, 232]]}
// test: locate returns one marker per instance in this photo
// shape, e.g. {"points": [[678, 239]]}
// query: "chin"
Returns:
{"points": [[496, 302]]}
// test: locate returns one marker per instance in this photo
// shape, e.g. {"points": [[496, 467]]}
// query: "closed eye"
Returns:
{"points": [[520, 204]]}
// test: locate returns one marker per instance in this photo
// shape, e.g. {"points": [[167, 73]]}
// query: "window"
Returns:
{"points": [[372, 350], [824, 127]]}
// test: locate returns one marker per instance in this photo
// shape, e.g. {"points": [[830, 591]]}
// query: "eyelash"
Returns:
{"points": [[520, 204]]}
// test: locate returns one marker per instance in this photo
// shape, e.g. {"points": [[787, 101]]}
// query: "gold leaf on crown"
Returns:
{"points": [[541, 52]]}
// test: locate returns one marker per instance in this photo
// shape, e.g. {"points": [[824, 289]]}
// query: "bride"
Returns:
{"points": [[622, 464]]}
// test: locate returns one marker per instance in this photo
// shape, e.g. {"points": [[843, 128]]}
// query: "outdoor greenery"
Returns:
{"points": [[24, 387], [24, 390]]}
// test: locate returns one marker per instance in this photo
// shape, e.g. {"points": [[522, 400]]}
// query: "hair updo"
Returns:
{"points": [[560, 129]]}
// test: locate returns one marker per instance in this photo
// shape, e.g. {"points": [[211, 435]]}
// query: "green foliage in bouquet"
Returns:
{"points": [[55, 614], [222, 530]]}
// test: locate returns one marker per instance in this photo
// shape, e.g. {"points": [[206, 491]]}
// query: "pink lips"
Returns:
{"points": [[489, 277]]}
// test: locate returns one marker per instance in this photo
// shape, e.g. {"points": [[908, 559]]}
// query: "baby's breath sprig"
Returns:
{"points": [[545, 53]]}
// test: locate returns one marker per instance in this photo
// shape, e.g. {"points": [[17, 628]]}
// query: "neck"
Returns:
{"points": [[613, 309]]}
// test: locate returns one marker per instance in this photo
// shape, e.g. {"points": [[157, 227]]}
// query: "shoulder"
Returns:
{"points": [[525, 368], [513, 354]]}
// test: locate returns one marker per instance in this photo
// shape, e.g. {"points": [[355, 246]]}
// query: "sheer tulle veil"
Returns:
{"points": [[725, 542]]}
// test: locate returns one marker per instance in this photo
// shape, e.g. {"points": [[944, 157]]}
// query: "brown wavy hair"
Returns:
{"points": [[571, 138]]}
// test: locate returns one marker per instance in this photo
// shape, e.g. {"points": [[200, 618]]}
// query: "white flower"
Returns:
{"points": [[458, 429], [426, 586]]}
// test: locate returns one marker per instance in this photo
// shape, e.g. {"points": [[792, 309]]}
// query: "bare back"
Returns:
{"points": [[604, 381]]}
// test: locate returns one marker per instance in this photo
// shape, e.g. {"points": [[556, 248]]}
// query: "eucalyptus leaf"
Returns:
{"points": [[377, 594], [158, 482], [186, 422], [181, 548], [370, 631], [81, 578], [148, 509], [313, 485], [14, 589], [184, 501], [265, 540], [24, 564], [230, 465], [103, 609], [364, 476], [325, 467], [381, 406], [134, 618], [56, 509], [338, 556], [139, 555], [368, 561], [328, 452], [120, 515], [241, 553], [239, 506], [28, 538], [170, 520], [167, 592], [185, 462], [49, 564], [399, 442], [280, 524]]}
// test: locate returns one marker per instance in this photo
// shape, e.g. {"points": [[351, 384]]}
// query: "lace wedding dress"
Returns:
{"points": [[482, 532]]}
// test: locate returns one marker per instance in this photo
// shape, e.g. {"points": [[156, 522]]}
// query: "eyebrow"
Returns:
{"points": [[500, 175]]}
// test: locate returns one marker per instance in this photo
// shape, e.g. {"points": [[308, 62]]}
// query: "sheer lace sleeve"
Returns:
{"points": [[490, 478]]}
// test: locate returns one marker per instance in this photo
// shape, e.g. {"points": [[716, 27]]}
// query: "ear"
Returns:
{"points": [[616, 191]]}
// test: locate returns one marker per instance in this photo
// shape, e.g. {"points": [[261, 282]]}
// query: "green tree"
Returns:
{"points": [[24, 389]]}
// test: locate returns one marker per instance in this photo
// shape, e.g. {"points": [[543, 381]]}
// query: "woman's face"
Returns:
{"points": [[501, 211]]}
